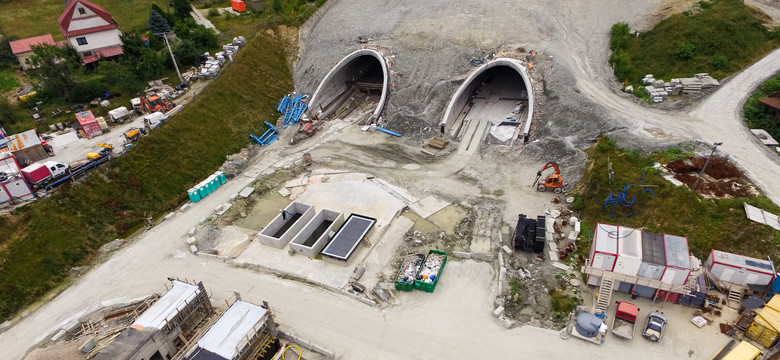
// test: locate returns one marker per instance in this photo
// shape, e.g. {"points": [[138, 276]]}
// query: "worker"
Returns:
{"points": [[285, 213]]}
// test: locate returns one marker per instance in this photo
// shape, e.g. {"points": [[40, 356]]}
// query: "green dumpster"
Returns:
{"points": [[430, 272], [410, 266]]}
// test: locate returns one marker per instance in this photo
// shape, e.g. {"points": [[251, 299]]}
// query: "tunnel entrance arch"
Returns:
{"points": [[495, 92], [363, 71]]}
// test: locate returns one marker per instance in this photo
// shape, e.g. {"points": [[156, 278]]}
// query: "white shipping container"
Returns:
{"points": [[653, 256], [678, 261], [740, 270], [604, 250], [17, 189], [629, 251]]}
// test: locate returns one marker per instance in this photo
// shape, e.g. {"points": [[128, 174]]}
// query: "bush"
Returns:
{"points": [[621, 64], [620, 35], [685, 51], [720, 62], [213, 12]]}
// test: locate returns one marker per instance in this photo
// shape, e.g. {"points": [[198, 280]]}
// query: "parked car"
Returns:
{"points": [[654, 327]]}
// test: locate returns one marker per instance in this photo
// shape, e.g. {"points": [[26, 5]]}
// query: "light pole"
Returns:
{"points": [[165, 36], [714, 147]]}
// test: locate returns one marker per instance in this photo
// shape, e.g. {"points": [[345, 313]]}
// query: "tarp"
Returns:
{"points": [[168, 305], [230, 333]]}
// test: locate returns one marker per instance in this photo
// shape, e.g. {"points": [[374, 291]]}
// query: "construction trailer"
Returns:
{"points": [[89, 124], [740, 270], [678, 260], [244, 331], [629, 258], [603, 250], [346, 240], [286, 225], [653, 262], [164, 327], [14, 189], [27, 147], [766, 325], [317, 232], [8, 164]]}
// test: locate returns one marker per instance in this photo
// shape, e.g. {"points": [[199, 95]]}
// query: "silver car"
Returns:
{"points": [[654, 327]]}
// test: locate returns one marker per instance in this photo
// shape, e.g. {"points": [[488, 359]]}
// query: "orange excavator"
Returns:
{"points": [[554, 181]]}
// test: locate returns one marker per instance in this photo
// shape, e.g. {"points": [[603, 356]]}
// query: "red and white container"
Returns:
{"points": [[740, 270], [89, 123]]}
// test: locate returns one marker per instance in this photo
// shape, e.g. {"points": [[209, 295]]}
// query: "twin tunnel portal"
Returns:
{"points": [[497, 93]]}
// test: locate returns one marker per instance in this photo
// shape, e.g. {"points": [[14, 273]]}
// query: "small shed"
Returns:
{"points": [[603, 250], [89, 124], [764, 329], [739, 269], [23, 48], [27, 147], [678, 260], [286, 225]]}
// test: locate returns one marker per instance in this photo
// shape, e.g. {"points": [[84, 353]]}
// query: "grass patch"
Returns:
{"points": [[42, 241], [27, 18], [562, 304], [7, 80], [720, 37], [755, 112], [707, 223]]}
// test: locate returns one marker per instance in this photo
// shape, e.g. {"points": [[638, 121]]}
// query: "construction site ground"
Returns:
{"points": [[486, 189]]}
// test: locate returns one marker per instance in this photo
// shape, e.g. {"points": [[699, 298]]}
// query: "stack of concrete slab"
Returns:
{"points": [[697, 83]]}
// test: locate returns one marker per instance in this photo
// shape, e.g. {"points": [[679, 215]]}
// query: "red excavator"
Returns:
{"points": [[156, 104], [553, 183]]}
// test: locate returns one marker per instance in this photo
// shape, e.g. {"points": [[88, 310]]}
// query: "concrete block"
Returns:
{"points": [[234, 197], [498, 311], [553, 255], [462, 254], [204, 220], [505, 322], [222, 209], [193, 249], [58, 335], [246, 192], [185, 207], [573, 236], [629, 89], [192, 231], [578, 226], [507, 249], [192, 241], [169, 216], [500, 260], [563, 267], [284, 192]]}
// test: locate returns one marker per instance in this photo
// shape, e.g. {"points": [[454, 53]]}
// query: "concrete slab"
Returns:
{"points": [[301, 181], [232, 241], [365, 198], [764, 136], [246, 192], [428, 206], [284, 192]]}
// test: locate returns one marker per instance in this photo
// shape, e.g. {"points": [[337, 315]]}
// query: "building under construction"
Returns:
{"points": [[164, 328]]}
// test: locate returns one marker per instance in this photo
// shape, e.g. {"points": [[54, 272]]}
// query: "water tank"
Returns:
{"points": [[587, 324]]}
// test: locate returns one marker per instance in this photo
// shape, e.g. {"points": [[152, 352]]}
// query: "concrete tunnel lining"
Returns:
{"points": [[327, 91], [461, 96]]}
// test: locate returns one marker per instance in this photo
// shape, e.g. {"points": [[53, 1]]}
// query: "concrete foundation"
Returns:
{"points": [[286, 225], [317, 232]]}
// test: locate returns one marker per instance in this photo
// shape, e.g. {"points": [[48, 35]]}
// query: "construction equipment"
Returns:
{"points": [[268, 137], [133, 134], [106, 151], [554, 181], [155, 103]]}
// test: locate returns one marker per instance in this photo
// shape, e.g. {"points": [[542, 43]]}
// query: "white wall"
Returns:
{"points": [[98, 40]]}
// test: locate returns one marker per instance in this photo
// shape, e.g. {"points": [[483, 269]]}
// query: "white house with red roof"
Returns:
{"points": [[22, 48], [90, 30]]}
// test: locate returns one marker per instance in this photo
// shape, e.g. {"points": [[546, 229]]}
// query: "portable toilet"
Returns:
{"points": [[221, 177], [213, 182], [194, 194], [203, 190]]}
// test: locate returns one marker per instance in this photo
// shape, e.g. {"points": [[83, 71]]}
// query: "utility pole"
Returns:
{"points": [[165, 36], [714, 147]]}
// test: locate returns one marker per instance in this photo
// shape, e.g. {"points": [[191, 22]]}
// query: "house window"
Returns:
{"points": [[82, 40], [82, 11]]}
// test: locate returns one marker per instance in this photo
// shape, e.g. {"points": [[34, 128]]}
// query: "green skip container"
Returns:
{"points": [[410, 267], [430, 271]]}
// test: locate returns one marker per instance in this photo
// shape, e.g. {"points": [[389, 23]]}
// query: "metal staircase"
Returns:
{"points": [[605, 292], [735, 296]]}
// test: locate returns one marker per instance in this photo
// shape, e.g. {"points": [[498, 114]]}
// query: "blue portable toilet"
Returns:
{"points": [[221, 176], [203, 189], [194, 194], [213, 183]]}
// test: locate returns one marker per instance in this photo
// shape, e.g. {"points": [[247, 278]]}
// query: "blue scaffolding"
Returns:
{"points": [[292, 108]]}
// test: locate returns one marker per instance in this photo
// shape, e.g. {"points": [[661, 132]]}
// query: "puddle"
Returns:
{"points": [[266, 208]]}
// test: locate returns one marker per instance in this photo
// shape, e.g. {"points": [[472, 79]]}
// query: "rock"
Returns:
{"points": [[498, 311], [284, 192], [381, 293], [192, 231], [499, 301], [193, 249], [78, 271], [629, 89], [112, 246], [570, 199], [462, 254], [573, 220]]}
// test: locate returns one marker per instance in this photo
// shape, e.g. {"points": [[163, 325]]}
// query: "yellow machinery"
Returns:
{"points": [[132, 134], [106, 151]]}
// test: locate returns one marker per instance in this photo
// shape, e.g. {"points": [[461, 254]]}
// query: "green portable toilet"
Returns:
{"points": [[212, 183], [221, 177], [194, 194], [203, 189]]}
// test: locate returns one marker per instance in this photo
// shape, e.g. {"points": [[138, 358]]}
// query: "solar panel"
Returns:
{"points": [[349, 236]]}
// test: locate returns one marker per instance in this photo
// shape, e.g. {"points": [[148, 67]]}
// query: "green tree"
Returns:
{"points": [[620, 34], [182, 9], [12, 118], [167, 15], [277, 5], [157, 23], [187, 53], [720, 62], [120, 76], [685, 51], [54, 69], [149, 66]]}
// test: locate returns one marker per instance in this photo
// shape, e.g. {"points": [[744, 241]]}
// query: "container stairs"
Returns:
{"points": [[605, 293], [736, 293]]}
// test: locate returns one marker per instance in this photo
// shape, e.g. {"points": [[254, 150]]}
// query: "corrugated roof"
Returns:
{"points": [[677, 253], [653, 251], [164, 309], [23, 140], [759, 265], [25, 45], [772, 102], [230, 333], [67, 17]]}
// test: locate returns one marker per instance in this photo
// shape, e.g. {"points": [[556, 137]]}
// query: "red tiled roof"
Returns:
{"points": [[25, 45], [111, 51], [68, 14], [89, 59], [771, 102]]}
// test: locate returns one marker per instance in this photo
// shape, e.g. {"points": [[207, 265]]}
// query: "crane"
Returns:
{"points": [[554, 181]]}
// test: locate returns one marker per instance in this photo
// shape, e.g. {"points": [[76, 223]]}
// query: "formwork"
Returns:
{"points": [[286, 225], [317, 232], [346, 240]]}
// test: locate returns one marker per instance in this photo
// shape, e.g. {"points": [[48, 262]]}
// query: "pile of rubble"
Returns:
{"points": [[212, 65], [660, 90]]}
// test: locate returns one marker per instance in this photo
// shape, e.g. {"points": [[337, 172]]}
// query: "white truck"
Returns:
{"points": [[38, 175]]}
